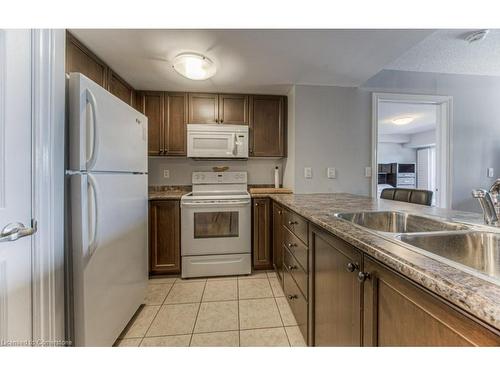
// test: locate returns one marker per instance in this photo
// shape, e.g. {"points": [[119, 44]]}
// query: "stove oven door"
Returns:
{"points": [[212, 227]]}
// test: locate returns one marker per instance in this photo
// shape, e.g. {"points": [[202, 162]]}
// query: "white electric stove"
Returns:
{"points": [[216, 225]]}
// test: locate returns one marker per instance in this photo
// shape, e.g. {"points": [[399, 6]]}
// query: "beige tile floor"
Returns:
{"points": [[225, 311]]}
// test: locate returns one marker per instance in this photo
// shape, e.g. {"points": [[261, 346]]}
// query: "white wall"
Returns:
{"points": [[476, 124], [423, 139], [332, 128], [260, 171], [395, 153]]}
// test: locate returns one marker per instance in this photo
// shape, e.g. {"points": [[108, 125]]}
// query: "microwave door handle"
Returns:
{"points": [[230, 150], [235, 144]]}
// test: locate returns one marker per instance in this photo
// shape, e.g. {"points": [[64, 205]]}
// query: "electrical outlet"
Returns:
{"points": [[491, 172], [331, 173], [368, 171], [308, 172], [166, 173]]}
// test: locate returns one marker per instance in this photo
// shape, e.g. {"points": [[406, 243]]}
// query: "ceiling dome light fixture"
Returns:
{"points": [[194, 66], [403, 120], [476, 36]]}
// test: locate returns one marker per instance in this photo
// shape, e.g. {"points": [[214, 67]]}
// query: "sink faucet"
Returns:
{"points": [[486, 202]]}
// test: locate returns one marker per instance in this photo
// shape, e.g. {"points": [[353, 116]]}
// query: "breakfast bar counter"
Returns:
{"points": [[473, 294]]}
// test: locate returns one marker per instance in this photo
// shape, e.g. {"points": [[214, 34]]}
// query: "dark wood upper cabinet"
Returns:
{"points": [[164, 237], [337, 291], [261, 223], [203, 108], [397, 312], [121, 89], [154, 111], [277, 236], [233, 109], [267, 126], [175, 132], [79, 59], [138, 102]]}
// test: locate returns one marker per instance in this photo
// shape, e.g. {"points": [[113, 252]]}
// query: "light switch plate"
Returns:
{"points": [[308, 172], [491, 172], [166, 173], [368, 171], [331, 173]]}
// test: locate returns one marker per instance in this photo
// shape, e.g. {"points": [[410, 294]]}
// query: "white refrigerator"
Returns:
{"points": [[108, 199]]}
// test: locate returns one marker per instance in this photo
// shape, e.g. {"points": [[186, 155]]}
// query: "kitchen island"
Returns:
{"points": [[476, 298]]}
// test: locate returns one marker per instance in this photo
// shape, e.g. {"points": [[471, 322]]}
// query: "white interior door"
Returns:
{"points": [[15, 187]]}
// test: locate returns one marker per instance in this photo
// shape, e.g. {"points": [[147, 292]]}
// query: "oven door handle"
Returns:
{"points": [[218, 204]]}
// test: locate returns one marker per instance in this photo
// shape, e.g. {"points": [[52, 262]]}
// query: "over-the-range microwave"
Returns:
{"points": [[217, 141]]}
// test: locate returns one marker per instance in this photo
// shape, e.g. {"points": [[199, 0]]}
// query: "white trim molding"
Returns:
{"points": [[444, 139], [48, 109], [2, 119]]}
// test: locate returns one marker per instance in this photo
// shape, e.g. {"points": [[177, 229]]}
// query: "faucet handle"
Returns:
{"points": [[479, 193]]}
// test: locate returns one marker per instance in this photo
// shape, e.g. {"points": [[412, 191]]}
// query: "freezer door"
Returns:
{"points": [[110, 270], [106, 134]]}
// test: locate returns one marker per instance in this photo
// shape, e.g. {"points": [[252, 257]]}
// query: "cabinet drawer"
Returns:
{"points": [[297, 225], [297, 272], [297, 302], [297, 248]]}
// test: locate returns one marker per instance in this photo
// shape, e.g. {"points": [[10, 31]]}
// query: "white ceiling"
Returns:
{"points": [[253, 61], [446, 51], [424, 114]]}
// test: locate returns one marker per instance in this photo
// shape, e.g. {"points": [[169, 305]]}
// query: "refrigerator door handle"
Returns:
{"points": [[94, 243], [93, 153]]}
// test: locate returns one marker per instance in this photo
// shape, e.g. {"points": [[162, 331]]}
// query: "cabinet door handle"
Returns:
{"points": [[291, 268], [363, 276], [290, 245], [292, 296], [293, 222], [351, 267]]}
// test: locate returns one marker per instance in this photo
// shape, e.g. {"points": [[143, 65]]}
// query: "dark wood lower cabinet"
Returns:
{"points": [[164, 237], [261, 239], [298, 303], [397, 312], [337, 291], [278, 240]]}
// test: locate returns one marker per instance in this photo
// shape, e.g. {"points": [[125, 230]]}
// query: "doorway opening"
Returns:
{"points": [[411, 144]]}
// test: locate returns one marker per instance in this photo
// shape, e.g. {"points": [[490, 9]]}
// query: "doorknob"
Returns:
{"points": [[14, 231]]}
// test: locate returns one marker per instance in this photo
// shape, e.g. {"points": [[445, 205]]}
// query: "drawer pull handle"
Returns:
{"points": [[293, 222], [291, 268], [363, 276], [292, 245], [292, 296], [351, 267]]}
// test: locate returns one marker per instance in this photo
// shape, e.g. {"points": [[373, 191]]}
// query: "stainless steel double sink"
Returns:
{"points": [[463, 246]]}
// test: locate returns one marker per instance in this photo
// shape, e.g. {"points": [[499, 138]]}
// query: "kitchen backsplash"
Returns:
{"points": [[260, 171]]}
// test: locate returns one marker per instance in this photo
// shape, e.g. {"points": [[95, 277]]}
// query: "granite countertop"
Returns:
{"points": [[475, 295], [172, 192], [262, 192], [167, 192]]}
